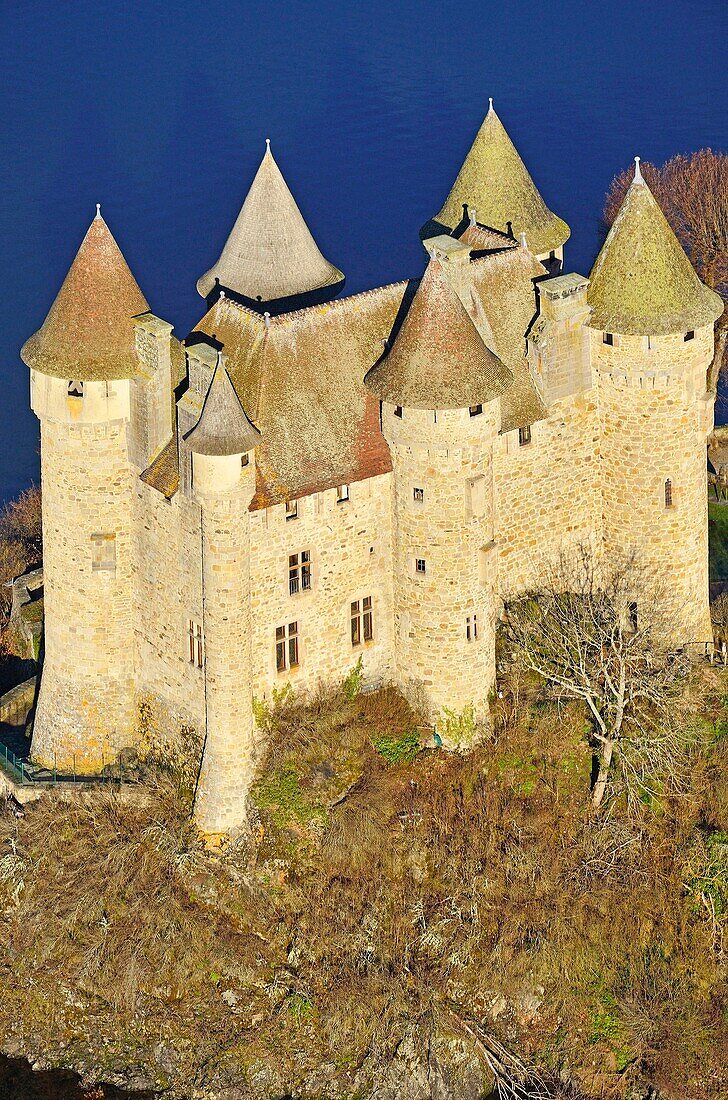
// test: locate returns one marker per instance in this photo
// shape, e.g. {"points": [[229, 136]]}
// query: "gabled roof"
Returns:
{"points": [[438, 359], [222, 427], [642, 283], [89, 331], [495, 181], [270, 253]]}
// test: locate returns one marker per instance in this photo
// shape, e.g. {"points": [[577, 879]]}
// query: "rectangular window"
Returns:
{"points": [[689, 335], [471, 627], [299, 572], [291, 509], [196, 649], [668, 493], [420, 565], [608, 338], [244, 460], [103, 553], [342, 494], [362, 628], [475, 410], [286, 647], [398, 411], [419, 496], [524, 436]]}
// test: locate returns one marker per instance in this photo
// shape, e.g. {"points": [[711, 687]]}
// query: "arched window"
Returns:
{"points": [[668, 493], [75, 389]]}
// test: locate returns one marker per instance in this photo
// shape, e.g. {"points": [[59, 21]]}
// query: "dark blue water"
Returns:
{"points": [[160, 111]]}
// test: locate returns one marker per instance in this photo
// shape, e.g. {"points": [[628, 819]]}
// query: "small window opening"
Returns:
{"points": [[524, 436], [608, 338], [420, 565], [244, 460], [668, 493], [690, 335], [475, 410], [286, 647], [361, 621], [471, 628], [75, 389], [419, 496], [299, 572], [291, 509], [103, 553], [342, 494], [195, 643], [398, 411]]}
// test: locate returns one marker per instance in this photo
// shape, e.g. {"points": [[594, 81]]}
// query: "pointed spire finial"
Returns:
{"points": [[267, 145], [522, 239], [472, 212], [98, 209], [266, 315], [638, 178], [490, 103]]}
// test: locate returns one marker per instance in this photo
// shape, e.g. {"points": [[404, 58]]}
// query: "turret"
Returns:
{"points": [[270, 261], [495, 182], [439, 387], [651, 345], [221, 445], [83, 363]]}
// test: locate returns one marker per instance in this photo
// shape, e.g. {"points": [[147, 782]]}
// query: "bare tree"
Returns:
{"points": [[602, 637], [693, 193]]}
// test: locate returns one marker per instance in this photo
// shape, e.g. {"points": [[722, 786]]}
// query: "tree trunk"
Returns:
{"points": [[721, 337], [604, 764]]}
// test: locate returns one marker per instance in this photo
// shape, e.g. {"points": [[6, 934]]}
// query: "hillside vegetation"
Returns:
{"points": [[399, 917]]}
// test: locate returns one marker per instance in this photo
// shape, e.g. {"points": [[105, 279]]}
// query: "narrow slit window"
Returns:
{"points": [[195, 644], [286, 647], [471, 627], [475, 410], [299, 572], [608, 339], [668, 493], [103, 553], [524, 436], [420, 565], [291, 509], [689, 335], [342, 494]]}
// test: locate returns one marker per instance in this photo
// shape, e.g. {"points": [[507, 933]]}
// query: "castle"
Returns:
{"points": [[305, 481]]}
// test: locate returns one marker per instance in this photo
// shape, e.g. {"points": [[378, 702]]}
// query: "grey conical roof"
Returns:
{"points": [[270, 253], [223, 427]]}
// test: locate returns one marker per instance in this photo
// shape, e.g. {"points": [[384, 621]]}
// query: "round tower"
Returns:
{"points": [[651, 346], [439, 387], [223, 483], [81, 361]]}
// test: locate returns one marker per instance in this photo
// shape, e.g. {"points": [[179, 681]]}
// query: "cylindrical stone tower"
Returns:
{"points": [[652, 344], [439, 386], [81, 362], [223, 483]]}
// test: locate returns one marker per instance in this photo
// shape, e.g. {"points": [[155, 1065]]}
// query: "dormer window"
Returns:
{"points": [[342, 494], [690, 335], [291, 509], [608, 339], [524, 436], [475, 410], [75, 389]]}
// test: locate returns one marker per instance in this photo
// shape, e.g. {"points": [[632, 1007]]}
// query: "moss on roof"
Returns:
{"points": [[438, 359], [270, 253], [163, 473], [222, 427], [89, 331], [642, 282], [495, 181]]}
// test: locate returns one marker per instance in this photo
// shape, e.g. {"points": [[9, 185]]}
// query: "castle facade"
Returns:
{"points": [[307, 480]]}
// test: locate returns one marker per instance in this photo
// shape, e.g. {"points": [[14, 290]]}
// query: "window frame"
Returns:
{"points": [[525, 436], [342, 494], [471, 627], [423, 562], [418, 499], [291, 509], [475, 410], [287, 653], [608, 339], [668, 493], [195, 644], [299, 573], [361, 616]]}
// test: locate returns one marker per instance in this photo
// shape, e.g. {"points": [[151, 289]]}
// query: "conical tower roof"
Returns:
{"points": [[89, 332], [438, 360], [495, 181], [270, 253], [642, 282], [222, 427]]}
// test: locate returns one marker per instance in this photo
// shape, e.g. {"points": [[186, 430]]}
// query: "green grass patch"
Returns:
{"points": [[398, 750], [718, 541]]}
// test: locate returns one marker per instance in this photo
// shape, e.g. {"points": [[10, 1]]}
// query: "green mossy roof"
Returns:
{"points": [[495, 182], [642, 283], [89, 331]]}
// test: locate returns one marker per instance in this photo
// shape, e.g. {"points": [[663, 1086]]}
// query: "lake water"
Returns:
{"points": [[160, 111]]}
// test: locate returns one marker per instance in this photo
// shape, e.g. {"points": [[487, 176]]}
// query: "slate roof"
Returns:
{"points": [[438, 359], [495, 181], [89, 331], [270, 253], [642, 283], [222, 428]]}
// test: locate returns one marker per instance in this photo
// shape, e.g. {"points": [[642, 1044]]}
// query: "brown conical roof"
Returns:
{"points": [[438, 360], [495, 181], [270, 253], [223, 427], [89, 332], [642, 283]]}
